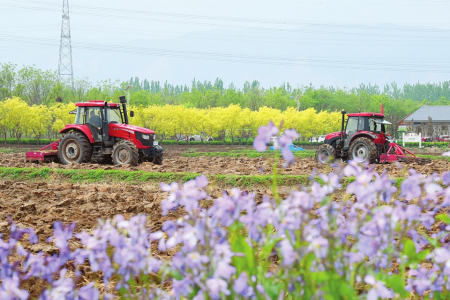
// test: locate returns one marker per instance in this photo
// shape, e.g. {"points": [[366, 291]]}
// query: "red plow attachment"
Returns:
{"points": [[43, 154], [397, 153]]}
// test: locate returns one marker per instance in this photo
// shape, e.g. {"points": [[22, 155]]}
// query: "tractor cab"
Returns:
{"points": [[371, 124], [98, 115]]}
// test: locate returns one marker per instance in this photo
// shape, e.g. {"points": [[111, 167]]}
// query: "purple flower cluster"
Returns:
{"points": [[323, 241], [266, 133], [119, 248]]}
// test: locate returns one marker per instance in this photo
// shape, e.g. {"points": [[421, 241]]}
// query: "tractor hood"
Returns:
{"points": [[333, 135], [130, 128]]}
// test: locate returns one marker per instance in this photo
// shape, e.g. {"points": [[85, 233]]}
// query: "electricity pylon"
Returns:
{"points": [[65, 67]]}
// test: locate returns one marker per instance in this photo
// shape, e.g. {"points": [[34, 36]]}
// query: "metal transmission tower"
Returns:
{"points": [[65, 68]]}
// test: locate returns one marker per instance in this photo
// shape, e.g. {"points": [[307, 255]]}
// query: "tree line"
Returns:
{"points": [[36, 87], [19, 120]]}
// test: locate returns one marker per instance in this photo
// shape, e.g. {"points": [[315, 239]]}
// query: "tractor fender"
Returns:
{"points": [[81, 128], [332, 140], [363, 134]]}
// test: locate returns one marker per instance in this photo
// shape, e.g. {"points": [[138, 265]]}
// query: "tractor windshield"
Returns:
{"points": [[114, 115], [378, 125], [79, 118]]}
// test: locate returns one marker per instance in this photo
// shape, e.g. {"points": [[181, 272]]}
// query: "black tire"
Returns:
{"points": [[210, 139], [192, 139], [158, 160], [74, 147], [364, 149], [325, 153], [125, 152]]}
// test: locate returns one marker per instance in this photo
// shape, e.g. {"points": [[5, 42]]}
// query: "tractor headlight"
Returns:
{"points": [[145, 136]]}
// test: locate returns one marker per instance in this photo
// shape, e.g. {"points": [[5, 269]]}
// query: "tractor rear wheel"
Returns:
{"points": [[74, 147], [125, 152], [364, 149], [325, 153]]}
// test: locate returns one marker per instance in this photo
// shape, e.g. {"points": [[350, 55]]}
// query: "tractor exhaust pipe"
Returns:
{"points": [[123, 100], [343, 112]]}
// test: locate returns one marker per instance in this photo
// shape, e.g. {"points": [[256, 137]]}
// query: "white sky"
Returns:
{"points": [[340, 43]]}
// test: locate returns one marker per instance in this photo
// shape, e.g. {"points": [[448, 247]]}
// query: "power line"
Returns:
{"points": [[242, 58], [206, 24], [245, 20]]}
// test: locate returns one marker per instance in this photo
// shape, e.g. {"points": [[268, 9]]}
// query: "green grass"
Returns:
{"points": [[434, 157], [141, 176], [10, 150], [134, 177]]}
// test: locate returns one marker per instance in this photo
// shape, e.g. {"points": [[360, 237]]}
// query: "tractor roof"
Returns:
{"points": [[96, 103], [366, 115]]}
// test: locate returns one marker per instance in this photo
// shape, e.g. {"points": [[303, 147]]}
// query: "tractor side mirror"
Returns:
{"points": [[131, 113]]}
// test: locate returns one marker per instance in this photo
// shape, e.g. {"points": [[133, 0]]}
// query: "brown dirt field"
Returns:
{"points": [[174, 162], [39, 204]]}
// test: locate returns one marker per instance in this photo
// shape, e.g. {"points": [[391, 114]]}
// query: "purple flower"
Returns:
{"points": [[201, 181], [288, 137], [63, 288], [195, 260], [446, 178], [188, 195], [224, 270], [422, 279], [217, 286], [242, 287], [378, 290], [181, 287], [89, 292], [287, 252], [411, 186], [320, 246], [9, 290], [264, 135]]}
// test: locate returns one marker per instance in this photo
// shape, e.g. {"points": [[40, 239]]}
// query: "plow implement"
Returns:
{"points": [[44, 154], [397, 153]]}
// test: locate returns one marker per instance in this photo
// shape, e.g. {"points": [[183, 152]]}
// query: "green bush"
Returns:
{"points": [[26, 141], [424, 144]]}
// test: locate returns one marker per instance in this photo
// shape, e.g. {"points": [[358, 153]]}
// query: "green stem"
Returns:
{"points": [[275, 178]]}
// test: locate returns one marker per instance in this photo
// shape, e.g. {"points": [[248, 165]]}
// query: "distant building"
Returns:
{"points": [[430, 121]]}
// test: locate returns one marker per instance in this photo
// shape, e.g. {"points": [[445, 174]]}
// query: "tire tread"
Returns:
{"points": [[134, 152], [372, 147]]}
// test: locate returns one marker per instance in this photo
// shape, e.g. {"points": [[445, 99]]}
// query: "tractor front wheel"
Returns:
{"points": [[74, 147], [158, 160], [325, 153], [364, 149], [125, 152]]}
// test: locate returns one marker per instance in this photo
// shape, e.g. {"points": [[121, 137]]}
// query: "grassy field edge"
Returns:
{"points": [[100, 175]]}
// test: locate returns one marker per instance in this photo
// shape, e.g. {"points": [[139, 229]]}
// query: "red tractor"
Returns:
{"points": [[364, 137], [101, 134]]}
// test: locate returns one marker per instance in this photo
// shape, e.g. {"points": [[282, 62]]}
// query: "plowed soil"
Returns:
{"points": [[38, 205], [175, 162]]}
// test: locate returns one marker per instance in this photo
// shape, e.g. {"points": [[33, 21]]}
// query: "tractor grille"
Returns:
{"points": [[145, 142]]}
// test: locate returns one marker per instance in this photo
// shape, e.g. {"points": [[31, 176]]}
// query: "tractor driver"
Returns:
{"points": [[94, 119]]}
